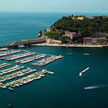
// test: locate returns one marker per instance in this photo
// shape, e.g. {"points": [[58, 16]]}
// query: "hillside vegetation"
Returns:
{"points": [[95, 27]]}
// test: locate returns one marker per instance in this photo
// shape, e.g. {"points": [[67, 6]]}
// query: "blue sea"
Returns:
{"points": [[65, 89]]}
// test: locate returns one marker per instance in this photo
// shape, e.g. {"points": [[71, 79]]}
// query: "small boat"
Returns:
{"points": [[69, 54], [21, 46], [81, 73], [10, 88], [86, 54], [9, 106]]}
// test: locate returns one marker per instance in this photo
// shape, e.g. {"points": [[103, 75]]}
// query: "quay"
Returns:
{"points": [[4, 65], [17, 74], [14, 57], [25, 80], [29, 59], [9, 52], [47, 61], [81, 73], [15, 68]]}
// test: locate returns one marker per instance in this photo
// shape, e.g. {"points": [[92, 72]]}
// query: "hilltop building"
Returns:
{"points": [[78, 17]]}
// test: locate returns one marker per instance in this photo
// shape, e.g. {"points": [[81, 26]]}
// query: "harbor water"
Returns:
{"points": [[64, 89]]}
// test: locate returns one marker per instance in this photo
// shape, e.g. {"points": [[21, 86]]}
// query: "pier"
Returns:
{"points": [[17, 74], [14, 57], [15, 68], [47, 60], [9, 52], [4, 65], [29, 59], [3, 49], [25, 80]]}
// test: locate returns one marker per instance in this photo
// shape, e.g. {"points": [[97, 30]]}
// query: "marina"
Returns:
{"points": [[17, 74], [47, 60], [9, 52], [14, 57], [25, 80], [4, 65], [29, 59], [15, 68]]}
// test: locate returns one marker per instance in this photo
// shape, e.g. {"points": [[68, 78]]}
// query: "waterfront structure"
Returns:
{"points": [[9, 52], [4, 65], [27, 79], [97, 41], [27, 42], [3, 49], [29, 59], [47, 61], [14, 57], [15, 68], [17, 74], [53, 41]]}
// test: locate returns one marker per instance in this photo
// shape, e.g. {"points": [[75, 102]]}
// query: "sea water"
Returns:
{"points": [[65, 89]]}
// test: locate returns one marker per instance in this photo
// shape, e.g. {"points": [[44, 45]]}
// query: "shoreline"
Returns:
{"points": [[67, 45]]}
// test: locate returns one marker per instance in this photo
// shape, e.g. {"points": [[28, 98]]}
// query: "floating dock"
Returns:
{"points": [[4, 65], [3, 49], [17, 74], [47, 61], [9, 52], [15, 68], [14, 57], [25, 80], [29, 59]]}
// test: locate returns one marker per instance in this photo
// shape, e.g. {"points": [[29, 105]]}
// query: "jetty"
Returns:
{"points": [[25, 80], [3, 49], [29, 59], [81, 73], [47, 61], [9, 52], [4, 65], [15, 68], [14, 57], [17, 74]]}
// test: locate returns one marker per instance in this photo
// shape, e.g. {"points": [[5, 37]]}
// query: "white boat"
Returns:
{"points": [[81, 73]]}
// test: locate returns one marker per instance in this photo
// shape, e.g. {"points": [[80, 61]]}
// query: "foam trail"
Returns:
{"points": [[95, 87]]}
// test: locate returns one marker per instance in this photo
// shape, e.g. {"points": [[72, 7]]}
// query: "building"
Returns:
{"points": [[91, 17], [71, 35], [78, 17], [53, 41], [97, 41], [48, 30]]}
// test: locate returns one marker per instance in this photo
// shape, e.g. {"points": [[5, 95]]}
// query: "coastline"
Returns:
{"points": [[68, 45]]}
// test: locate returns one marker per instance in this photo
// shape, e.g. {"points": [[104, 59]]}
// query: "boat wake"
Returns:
{"points": [[95, 87]]}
